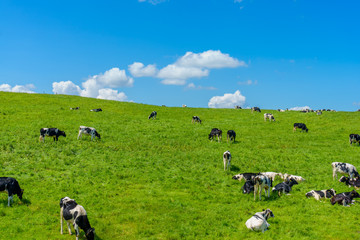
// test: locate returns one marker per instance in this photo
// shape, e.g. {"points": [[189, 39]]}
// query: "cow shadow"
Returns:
{"points": [[234, 168], [24, 201]]}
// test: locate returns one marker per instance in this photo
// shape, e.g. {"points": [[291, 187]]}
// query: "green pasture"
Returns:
{"points": [[163, 178]]}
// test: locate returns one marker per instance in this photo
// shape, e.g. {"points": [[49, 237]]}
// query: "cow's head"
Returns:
{"points": [[343, 179], [268, 213], [97, 135], [332, 192], [62, 133], [20, 194], [355, 194], [90, 234], [309, 194]]}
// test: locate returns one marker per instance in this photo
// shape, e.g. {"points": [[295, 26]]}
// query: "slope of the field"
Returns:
{"points": [[163, 178]]}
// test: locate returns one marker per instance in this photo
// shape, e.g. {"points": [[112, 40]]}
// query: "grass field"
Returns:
{"points": [[163, 179]]}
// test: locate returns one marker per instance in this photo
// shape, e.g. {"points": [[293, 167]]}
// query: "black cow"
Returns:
{"points": [[285, 186], [196, 119], [51, 132], [302, 126], [256, 109], [248, 187], [231, 135], [11, 186], [215, 133], [344, 198], [354, 138], [96, 110], [153, 115], [75, 214]]}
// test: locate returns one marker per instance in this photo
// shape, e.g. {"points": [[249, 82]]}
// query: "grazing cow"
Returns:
{"points": [[11, 187], [50, 132], [76, 215], [153, 115], [281, 110], [354, 138], [285, 186], [88, 131], [318, 113], [75, 108], [256, 109], [262, 182], [96, 110], [271, 175], [184, 105], [215, 133], [246, 176], [302, 126], [319, 194], [344, 168], [196, 119], [258, 222], [269, 116], [286, 176], [227, 160], [351, 182], [231, 135], [238, 107], [248, 187]]}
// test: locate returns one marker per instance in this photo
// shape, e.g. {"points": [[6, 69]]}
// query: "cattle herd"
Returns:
{"points": [[254, 182]]}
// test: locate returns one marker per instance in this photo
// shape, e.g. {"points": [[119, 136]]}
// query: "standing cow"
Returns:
{"points": [[153, 115], [88, 131], [11, 187], [231, 135], [344, 168], [227, 160], [50, 132], [269, 116], [256, 109]]}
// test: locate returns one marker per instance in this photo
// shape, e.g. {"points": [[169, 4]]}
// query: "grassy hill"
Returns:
{"points": [[163, 179]]}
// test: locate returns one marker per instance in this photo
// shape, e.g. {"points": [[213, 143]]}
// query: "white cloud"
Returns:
{"points": [[227, 101], [153, 2], [248, 82], [192, 86], [137, 69], [18, 88], [111, 94], [66, 87], [114, 78], [300, 108], [177, 75]]}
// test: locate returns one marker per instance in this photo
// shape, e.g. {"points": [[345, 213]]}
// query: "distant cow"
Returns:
{"points": [[238, 107], [215, 133], [88, 131], [196, 119], [351, 182], [286, 176], [11, 186], [344, 168], [354, 138], [285, 187], [262, 182], [256, 109], [246, 176], [50, 132], [75, 214], [258, 222], [75, 108], [318, 113], [269, 116], [302, 126], [231, 135], [227, 160], [96, 110], [184, 105], [153, 115], [319, 194], [281, 110]]}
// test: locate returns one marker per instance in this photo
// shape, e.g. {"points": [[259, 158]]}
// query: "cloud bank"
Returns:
{"points": [[18, 88], [299, 108], [227, 101]]}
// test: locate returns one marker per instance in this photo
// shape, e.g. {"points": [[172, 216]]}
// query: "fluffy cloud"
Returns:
{"points": [[114, 78], [66, 87], [137, 69], [227, 101], [18, 88], [177, 75], [299, 108], [111, 94]]}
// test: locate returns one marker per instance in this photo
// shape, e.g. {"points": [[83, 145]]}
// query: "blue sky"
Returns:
{"points": [[213, 53]]}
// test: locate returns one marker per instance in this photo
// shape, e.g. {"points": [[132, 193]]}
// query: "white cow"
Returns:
{"points": [[297, 178], [258, 222], [344, 168]]}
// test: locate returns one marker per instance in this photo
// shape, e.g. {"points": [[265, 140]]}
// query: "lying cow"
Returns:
{"points": [[75, 108], [248, 187], [196, 119], [354, 138], [11, 187], [88, 131], [258, 222], [227, 160], [231, 135], [215, 133], [344, 198], [256, 109], [297, 178], [302, 126], [246, 176], [269, 116], [96, 110], [285, 187], [319, 194], [351, 182], [344, 168], [153, 115], [76, 215], [262, 182], [50, 132]]}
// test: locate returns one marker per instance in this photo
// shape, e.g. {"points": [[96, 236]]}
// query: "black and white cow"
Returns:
{"points": [[96, 110], [88, 131], [256, 109], [319, 194], [11, 187], [227, 160], [344, 168], [248, 187], [272, 175], [75, 108], [50, 132], [246, 176], [269, 116], [344, 198], [196, 119], [302, 126], [231, 135], [153, 115], [76, 215], [258, 222], [215, 133], [238, 107], [262, 182], [319, 113], [286, 176], [284, 187], [354, 138], [351, 182]]}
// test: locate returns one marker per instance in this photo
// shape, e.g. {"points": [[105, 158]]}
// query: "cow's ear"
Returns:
{"points": [[263, 209]]}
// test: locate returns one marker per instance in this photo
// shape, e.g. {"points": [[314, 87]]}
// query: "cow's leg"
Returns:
{"points": [[61, 221], [224, 164], [10, 200], [334, 174], [69, 228], [76, 227], [79, 136], [255, 191]]}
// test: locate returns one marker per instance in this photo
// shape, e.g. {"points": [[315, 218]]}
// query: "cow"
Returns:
{"points": [[215, 133], [351, 182], [281, 110], [248, 187], [271, 175], [196, 119], [285, 186], [262, 182], [344, 198], [75, 108], [269, 116], [96, 110], [302, 126], [256, 109], [50, 132], [258, 222], [184, 105], [246, 176], [75, 214], [286, 176], [318, 113], [354, 138], [227, 160], [319, 194], [238, 107], [344, 168], [231, 135], [10, 186], [153, 115], [88, 131]]}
